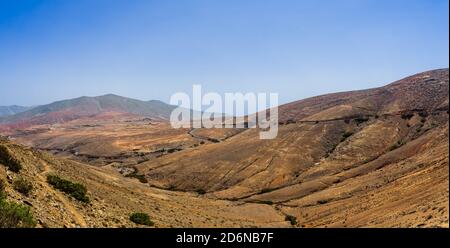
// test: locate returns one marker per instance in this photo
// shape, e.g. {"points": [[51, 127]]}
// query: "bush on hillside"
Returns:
{"points": [[8, 160], [14, 215], [2, 190], [291, 219], [76, 190], [141, 219], [140, 177], [23, 186]]}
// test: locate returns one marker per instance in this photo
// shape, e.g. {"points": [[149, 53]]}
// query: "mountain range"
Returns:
{"points": [[66, 110]]}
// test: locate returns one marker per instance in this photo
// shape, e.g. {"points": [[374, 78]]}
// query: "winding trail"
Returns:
{"points": [[79, 219]]}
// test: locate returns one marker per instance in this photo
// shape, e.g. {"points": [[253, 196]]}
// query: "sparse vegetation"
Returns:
{"points": [[213, 140], [141, 219], [292, 219], [7, 159], [23, 186], [2, 190], [140, 177], [15, 215], [76, 190]]}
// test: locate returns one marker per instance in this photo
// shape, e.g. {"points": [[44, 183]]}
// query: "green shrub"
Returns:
{"points": [[14, 215], [291, 219], [23, 186], [2, 190], [76, 190], [141, 219], [9, 160]]}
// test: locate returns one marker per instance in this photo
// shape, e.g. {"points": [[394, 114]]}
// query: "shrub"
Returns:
{"points": [[76, 190], [141, 219], [8, 160], [291, 219], [2, 190], [140, 177], [23, 186], [14, 215]]}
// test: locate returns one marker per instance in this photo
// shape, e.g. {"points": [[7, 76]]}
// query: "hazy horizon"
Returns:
{"points": [[148, 50]]}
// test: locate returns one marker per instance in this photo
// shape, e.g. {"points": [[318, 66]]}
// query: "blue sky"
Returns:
{"points": [[59, 49]]}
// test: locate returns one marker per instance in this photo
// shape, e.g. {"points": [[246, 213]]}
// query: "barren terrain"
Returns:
{"points": [[371, 158]]}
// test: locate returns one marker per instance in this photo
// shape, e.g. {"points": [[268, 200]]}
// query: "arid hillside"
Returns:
{"points": [[343, 159], [370, 158], [113, 198]]}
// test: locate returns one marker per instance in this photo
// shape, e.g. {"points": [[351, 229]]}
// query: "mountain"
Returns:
{"points": [[12, 110], [384, 149], [67, 110]]}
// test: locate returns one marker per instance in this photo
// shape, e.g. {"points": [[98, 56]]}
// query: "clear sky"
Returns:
{"points": [[59, 49]]}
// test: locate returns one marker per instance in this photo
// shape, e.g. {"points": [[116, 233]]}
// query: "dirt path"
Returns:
{"points": [[79, 219]]}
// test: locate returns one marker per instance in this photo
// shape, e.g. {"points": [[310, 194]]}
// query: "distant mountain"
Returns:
{"points": [[67, 110], [12, 110]]}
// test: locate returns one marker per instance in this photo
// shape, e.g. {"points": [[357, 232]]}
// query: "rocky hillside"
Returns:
{"points": [[342, 159], [111, 198]]}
